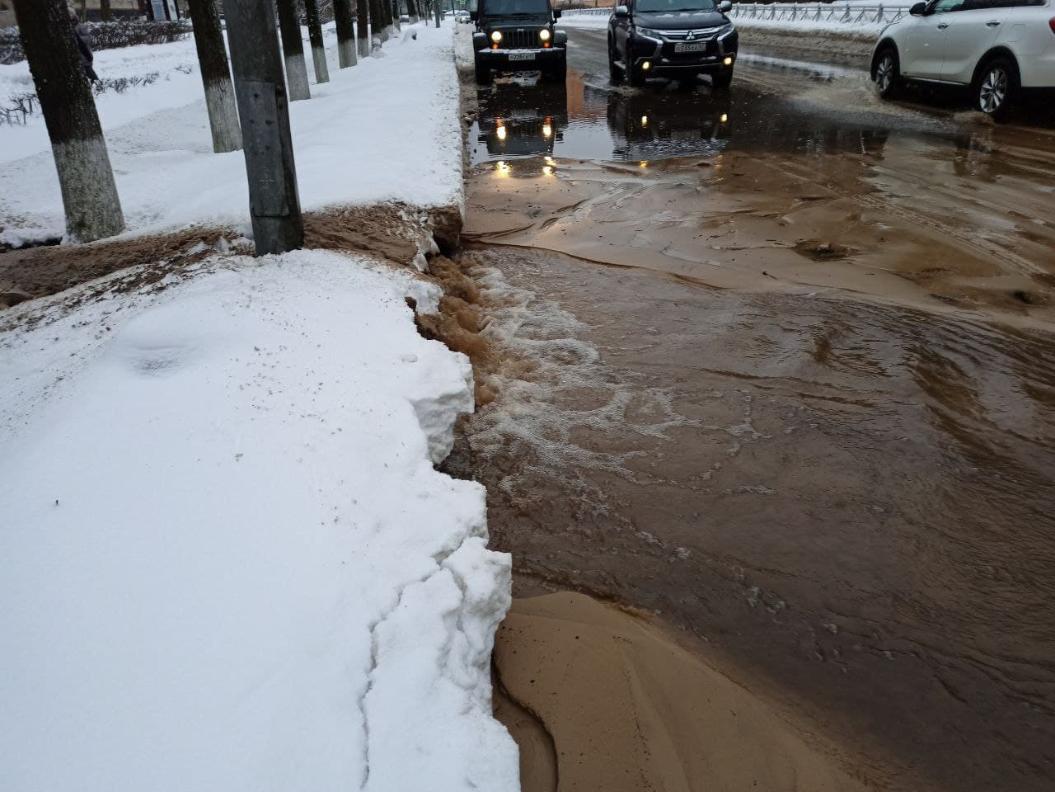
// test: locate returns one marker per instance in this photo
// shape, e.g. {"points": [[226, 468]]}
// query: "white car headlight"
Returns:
{"points": [[496, 36], [649, 32], [544, 34]]}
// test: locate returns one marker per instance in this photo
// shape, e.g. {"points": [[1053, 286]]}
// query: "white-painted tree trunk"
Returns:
{"points": [[89, 194], [363, 45], [322, 71], [297, 77], [346, 55], [223, 116]]}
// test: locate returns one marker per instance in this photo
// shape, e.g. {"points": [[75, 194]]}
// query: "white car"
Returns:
{"points": [[997, 47]]}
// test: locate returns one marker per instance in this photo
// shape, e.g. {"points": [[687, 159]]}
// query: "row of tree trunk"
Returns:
{"points": [[250, 113]]}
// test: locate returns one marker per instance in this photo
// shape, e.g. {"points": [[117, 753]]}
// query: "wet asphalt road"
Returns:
{"points": [[778, 104], [839, 473]]}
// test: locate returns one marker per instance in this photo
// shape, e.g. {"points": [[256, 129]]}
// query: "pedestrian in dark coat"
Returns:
{"points": [[82, 46]]}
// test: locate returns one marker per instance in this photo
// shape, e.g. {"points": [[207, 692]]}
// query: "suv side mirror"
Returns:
{"points": [[622, 11], [920, 9], [725, 6], [556, 13]]}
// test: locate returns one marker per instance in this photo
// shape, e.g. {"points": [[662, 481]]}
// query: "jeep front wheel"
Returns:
{"points": [[557, 73]]}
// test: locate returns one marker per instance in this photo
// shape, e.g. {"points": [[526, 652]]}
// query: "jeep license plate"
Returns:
{"points": [[695, 46], [521, 56]]}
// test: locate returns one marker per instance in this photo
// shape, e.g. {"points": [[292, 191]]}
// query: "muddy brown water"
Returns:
{"points": [[787, 379]]}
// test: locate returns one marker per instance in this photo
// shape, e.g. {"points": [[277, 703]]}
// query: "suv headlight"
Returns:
{"points": [[496, 36], [725, 30], [649, 32], [544, 34]]}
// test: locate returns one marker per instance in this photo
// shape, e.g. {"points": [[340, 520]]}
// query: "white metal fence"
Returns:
{"points": [[837, 13], [843, 14]]}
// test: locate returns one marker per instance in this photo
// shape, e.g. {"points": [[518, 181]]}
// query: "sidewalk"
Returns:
{"points": [[227, 560], [385, 130]]}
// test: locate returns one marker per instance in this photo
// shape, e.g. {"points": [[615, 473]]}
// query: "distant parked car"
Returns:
{"points": [[676, 39], [996, 47]]}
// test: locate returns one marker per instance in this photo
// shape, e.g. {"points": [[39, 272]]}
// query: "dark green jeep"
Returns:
{"points": [[518, 35]]}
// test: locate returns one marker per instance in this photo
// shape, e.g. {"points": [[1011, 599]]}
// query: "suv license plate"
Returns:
{"points": [[696, 46], [528, 56]]}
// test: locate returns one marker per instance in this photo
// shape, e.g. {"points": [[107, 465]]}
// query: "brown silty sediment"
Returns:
{"points": [[757, 222], [390, 231]]}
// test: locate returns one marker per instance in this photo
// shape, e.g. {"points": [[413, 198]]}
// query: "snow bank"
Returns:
{"points": [[386, 129], [226, 560], [585, 21]]}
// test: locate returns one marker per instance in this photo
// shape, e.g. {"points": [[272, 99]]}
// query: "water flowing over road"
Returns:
{"points": [[779, 366]]}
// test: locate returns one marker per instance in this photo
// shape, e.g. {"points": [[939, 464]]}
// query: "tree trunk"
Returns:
{"points": [[394, 9], [104, 10], [274, 202], [439, 11], [318, 49], [292, 50], [386, 20], [390, 17], [377, 26], [342, 15], [89, 194], [215, 76], [362, 33]]}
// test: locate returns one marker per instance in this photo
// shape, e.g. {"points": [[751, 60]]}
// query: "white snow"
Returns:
{"points": [[586, 21], [385, 129], [226, 560]]}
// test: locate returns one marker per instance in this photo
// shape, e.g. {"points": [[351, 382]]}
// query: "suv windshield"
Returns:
{"points": [[661, 6], [509, 7]]}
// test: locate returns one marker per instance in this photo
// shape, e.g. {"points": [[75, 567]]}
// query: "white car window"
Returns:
{"points": [[947, 6]]}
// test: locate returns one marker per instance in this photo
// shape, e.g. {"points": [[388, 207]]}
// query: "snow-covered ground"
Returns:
{"points": [[227, 561], [383, 130]]}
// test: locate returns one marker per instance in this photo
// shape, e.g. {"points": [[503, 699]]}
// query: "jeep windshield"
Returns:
{"points": [[670, 6], [514, 7]]}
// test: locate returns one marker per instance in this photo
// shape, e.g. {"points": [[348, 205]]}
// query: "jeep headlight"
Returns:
{"points": [[544, 34], [649, 32], [496, 36]]}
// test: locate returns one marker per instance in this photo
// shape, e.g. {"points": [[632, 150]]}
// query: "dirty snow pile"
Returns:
{"points": [[385, 129], [226, 559]]}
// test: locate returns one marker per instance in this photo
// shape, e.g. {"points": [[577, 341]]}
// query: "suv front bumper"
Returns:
{"points": [[520, 59], [664, 60]]}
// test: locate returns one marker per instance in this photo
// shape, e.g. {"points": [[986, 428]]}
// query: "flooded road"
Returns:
{"points": [[779, 366]]}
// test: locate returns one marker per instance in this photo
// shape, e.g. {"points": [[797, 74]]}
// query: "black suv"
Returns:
{"points": [[677, 39], [518, 35]]}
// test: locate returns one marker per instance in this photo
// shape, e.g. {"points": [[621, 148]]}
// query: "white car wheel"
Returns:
{"points": [[994, 88]]}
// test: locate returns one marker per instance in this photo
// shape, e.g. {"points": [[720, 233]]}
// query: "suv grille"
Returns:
{"points": [[520, 38], [699, 34]]}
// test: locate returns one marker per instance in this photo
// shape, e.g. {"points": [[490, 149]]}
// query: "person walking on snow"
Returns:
{"points": [[82, 46]]}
